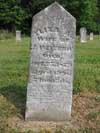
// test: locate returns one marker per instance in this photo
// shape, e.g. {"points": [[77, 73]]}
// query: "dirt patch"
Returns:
{"points": [[85, 114], [85, 104]]}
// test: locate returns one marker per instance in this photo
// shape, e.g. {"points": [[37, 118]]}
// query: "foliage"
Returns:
{"points": [[17, 14], [88, 14], [11, 14]]}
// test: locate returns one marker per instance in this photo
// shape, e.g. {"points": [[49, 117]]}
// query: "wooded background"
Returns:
{"points": [[17, 14]]}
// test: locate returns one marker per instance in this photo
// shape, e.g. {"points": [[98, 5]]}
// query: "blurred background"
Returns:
{"points": [[17, 14]]}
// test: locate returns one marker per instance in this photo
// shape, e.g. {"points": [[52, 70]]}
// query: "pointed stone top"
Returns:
{"points": [[56, 5], [51, 55]]}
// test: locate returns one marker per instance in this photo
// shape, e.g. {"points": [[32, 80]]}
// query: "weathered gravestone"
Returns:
{"points": [[18, 36], [50, 85], [83, 35], [91, 36]]}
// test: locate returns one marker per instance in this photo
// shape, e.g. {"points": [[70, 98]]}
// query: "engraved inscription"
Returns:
{"points": [[50, 84], [53, 47]]}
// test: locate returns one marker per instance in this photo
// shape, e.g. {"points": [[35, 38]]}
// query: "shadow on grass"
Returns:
{"points": [[16, 95]]}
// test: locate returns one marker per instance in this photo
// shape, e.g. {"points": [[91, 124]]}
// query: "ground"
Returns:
{"points": [[14, 60]]}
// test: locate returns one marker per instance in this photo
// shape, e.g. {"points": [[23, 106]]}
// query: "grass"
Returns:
{"points": [[87, 66], [93, 115], [14, 70], [14, 60], [13, 76]]}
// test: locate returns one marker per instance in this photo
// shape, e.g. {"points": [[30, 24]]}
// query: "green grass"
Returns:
{"points": [[93, 115], [14, 60], [87, 66]]}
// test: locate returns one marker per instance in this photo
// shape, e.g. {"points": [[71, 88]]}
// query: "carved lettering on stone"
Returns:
{"points": [[50, 85]]}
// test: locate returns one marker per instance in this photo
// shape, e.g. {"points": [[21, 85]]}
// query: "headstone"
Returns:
{"points": [[83, 35], [50, 85], [18, 36], [91, 36]]}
